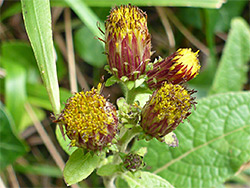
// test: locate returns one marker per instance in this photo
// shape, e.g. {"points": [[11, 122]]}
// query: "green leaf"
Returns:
{"points": [[10, 146], [139, 82], [112, 80], [89, 48], [15, 90], [27, 121], [38, 96], [79, 166], [42, 170], [189, 3], [13, 9], [37, 19], [87, 16], [212, 145], [143, 179], [130, 84], [108, 170], [64, 142], [223, 16], [21, 53], [232, 71]]}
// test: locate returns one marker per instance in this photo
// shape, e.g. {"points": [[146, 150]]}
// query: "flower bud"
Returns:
{"points": [[127, 41], [166, 109], [90, 120], [181, 66], [133, 162]]}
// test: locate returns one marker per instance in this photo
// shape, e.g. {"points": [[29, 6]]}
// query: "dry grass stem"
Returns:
{"points": [[167, 27], [12, 177], [70, 51], [81, 79], [186, 32], [44, 136]]}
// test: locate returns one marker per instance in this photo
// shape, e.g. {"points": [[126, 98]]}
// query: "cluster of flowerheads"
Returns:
{"points": [[91, 121], [128, 49]]}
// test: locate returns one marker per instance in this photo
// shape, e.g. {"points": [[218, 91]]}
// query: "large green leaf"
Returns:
{"points": [[37, 19], [143, 179], [79, 166], [212, 145], [232, 71], [10, 146]]}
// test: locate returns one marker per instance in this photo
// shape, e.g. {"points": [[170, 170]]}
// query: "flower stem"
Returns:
{"points": [[122, 146]]}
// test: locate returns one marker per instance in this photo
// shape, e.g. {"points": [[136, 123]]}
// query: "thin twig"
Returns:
{"points": [[70, 51], [44, 136], [82, 81], [167, 27], [12, 177], [186, 32]]}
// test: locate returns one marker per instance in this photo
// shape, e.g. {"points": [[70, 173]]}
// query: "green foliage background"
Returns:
{"points": [[214, 143]]}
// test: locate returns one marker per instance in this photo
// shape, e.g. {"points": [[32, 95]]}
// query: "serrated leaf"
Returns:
{"points": [[79, 166], [142, 179], [108, 170], [37, 20], [10, 146], [212, 145], [232, 71]]}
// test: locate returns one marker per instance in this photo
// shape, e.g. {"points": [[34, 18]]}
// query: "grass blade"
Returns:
{"points": [[37, 19]]}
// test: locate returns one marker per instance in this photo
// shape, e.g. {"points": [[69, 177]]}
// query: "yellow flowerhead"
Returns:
{"points": [[164, 111], [127, 41], [181, 66], [90, 120]]}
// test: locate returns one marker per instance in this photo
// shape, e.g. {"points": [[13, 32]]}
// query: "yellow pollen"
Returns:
{"points": [[171, 101], [86, 115], [189, 59], [126, 20]]}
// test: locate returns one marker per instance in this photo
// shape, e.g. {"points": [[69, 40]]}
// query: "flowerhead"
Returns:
{"points": [[127, 41], [166, 109], [90, 120], [181, 66]]}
